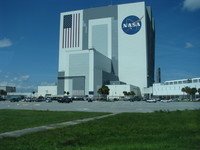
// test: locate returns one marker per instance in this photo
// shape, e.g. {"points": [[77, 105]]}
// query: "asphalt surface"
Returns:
{"points": [[96, 106]]}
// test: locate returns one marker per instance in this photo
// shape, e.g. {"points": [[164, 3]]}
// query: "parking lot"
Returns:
{"points": [[97, 106]]}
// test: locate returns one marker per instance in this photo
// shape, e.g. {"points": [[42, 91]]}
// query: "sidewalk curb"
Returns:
{"points": [[18, 133]]}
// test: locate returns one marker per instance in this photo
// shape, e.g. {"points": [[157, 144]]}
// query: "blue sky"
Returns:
{"points": [[29, 37]]}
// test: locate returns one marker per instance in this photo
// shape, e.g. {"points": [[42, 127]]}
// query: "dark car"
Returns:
{"points": [[89, 100], [28, 99], [2, 99], [40, 99], [48, 99], [64, 100], [14, 99], [131, 100]]}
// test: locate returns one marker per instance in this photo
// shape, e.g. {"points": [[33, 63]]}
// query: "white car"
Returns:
{"points": [[151, 101], [166, 101], [48, 100]]}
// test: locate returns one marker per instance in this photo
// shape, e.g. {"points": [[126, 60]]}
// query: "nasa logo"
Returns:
{"points": [[131, 25]]}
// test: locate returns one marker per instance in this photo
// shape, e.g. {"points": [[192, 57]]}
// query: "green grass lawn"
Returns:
{"points": [[11, 120], [178, 130]]}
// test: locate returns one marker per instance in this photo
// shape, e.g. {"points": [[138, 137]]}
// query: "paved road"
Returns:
{"points": [[114, 107]]}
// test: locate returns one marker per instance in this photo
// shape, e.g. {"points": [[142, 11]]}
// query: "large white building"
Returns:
{"points": [[174, 87], [99, 45]]}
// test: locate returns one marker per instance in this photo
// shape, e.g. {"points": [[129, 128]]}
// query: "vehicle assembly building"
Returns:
{"points": [[100, 45]]}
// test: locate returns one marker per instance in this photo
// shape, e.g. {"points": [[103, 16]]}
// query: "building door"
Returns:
{"points": [[78, 86]]}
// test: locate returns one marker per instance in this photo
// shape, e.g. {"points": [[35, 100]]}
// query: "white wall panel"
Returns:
{"points": [[132, 48]]}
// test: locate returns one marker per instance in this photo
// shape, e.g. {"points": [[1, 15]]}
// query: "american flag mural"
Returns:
{"points": [[71, 31]]}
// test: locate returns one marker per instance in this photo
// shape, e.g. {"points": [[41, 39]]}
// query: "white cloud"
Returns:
{"points": [[22, 82], [7, 83], [3, 83], [24, 78], [189, 45], [191, 5], [26, 88], [20, 78], [5, 43], [13, 79]]}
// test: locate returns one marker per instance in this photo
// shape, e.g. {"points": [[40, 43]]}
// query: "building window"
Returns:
{"points": [[175, 82], [185, 81], [195, 81], [171, 83], [179, 82]]}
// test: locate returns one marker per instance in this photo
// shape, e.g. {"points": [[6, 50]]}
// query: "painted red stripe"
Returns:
{"points": [[63, 38], [73, 31], [78, 29]]}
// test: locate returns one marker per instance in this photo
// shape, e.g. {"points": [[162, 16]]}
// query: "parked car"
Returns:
{"points": [[34, 99], [166, 101], [2, 99], [137, 98], [151, 101], [14, 99], [40, 99], [131, 100], [90, 100], [197, 99], [48, 99], [64, 100], [176, 100], [28, 99]]}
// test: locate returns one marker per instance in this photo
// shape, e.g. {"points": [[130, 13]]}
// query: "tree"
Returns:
{"points": [[2, 92], [183, 90], [125, 93], [186, 90], [193, 92], [33, 93], [189, 91], [104, 91], [131, 93], [198, 91], [66, 93]]}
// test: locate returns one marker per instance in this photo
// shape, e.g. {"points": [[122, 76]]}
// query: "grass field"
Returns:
{"points": [[19, 119], [178, 130]]}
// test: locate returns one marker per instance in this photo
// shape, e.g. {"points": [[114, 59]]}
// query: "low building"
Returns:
{"points": [[8, 88], [21, 94], [174, 87], [47, 90], [117, 88]]}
